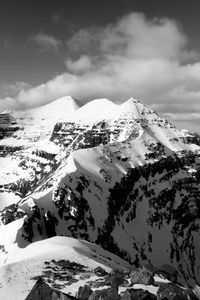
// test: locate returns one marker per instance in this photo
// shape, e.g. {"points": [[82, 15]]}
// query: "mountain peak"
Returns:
{"points": [[69, 99], [61, 105], [55, 111], [133, 100], [94, 110], [132, 106]]}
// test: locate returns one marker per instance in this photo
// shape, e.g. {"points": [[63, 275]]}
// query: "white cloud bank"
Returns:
{"points": [[147, 59]]}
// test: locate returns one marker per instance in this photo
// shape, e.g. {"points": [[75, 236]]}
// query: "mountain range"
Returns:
{"points": [[115, 175]]}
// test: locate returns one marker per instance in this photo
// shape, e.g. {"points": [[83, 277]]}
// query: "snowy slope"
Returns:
{"points": [[17, 275], [32, 125], [26, 153]]}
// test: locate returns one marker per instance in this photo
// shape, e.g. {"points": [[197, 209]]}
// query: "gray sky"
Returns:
{"points": [[148, 49]]}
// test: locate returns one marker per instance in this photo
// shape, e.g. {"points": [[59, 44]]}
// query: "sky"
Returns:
{"points": [[115, 49]]}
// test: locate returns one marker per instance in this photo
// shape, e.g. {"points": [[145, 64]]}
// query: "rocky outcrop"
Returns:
{"points": [[141, 276], [84, 292], [138, 294], [104, 294], [11, 213], [42, 291], [172, 292], [168, 272]]}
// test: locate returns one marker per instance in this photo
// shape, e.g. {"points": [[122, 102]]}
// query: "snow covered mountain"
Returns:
{"points": [[119, 176]]}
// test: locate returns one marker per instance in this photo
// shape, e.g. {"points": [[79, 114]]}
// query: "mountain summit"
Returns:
{"points": [[116, 175]]}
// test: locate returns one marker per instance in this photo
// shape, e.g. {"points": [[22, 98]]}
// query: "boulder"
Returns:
{"points": [[84, 292], [132, 294], [104, 294], [42, 291], [99, 271], [141, 276], [172, 291], [169, 272], [115, 279]]}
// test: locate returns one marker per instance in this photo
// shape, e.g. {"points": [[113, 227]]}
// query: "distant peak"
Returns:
{"points": [[101, 101], [68, 99], [133, 100]]}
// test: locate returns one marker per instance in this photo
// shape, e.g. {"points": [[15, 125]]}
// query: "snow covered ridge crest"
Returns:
{"points": [[116, 175]]}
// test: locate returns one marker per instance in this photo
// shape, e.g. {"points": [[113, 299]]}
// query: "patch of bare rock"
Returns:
{"points": [[116, 285]]}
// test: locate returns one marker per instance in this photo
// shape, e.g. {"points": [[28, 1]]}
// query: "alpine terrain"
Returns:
{"points": [[105, 185]]}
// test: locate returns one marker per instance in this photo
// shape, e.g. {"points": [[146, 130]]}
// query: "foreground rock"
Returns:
{"points": [[84, 292], [174, 292], [168, 272], [100, 271], [141, 276], [42, 291], [132, 294], [104, 294]]}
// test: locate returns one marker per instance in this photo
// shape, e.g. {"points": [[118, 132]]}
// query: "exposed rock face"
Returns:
{"points": [[173, 292], [140, 294], [42, 291], [116, 279], [125, 179], [11, 213], [84, 292], [104, 294], [141, 276], [168, 272], [100, 271]]}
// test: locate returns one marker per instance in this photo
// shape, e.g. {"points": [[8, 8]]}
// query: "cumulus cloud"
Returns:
{"points": [[13, 89], [85, 41], [83, 64], [135, 56], [46, 42]]}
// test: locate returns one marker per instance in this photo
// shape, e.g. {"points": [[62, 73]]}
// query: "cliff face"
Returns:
{"points": [[125, 179]]}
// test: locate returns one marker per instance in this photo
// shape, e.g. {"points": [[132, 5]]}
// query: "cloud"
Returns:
{"points": [[149, 59], [8, 103], [46, 42], [86, 42], [12, 90], [81, 65]]}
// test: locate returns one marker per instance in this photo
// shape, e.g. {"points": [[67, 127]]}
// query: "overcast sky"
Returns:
{"points": [[148, 49]]}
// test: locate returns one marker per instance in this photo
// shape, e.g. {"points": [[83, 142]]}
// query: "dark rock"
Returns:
{"points": [[11, 213], [171, 291], [42, 291], [115, 279], [125, 283], [149, 267], [97, 284], [85, 276], [99, 271], [168, 272], [132, 294], [104, 294], [141, 276], [50, 222], [84, 292], [71, 281]]}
